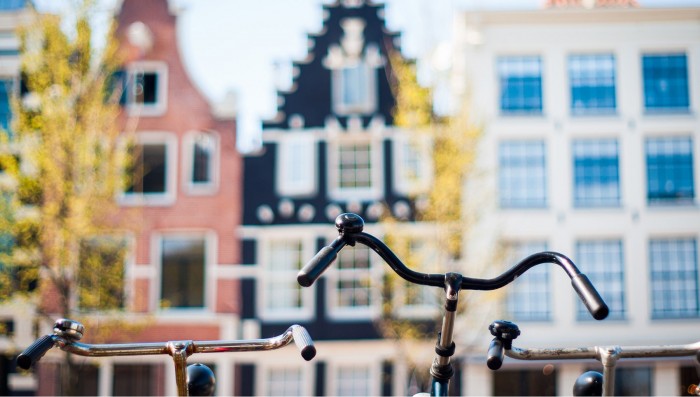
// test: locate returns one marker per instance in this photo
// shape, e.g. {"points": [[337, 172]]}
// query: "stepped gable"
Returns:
{"points": [[311, 96]]}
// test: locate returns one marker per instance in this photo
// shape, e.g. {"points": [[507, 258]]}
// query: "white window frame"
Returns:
{"points": [[264, 253], [406, 150], [374, 191], [169, 195], [370, 311], [161, 104], [188, 145], [287, 362], [356, 360], [296, 164], [209, 287], [369, 104], [430, 301]]}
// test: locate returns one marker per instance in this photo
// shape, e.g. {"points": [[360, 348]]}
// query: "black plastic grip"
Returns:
{"points": [[304, 342], [494, 357], [590, 296], [319, 263], [34, 352]]}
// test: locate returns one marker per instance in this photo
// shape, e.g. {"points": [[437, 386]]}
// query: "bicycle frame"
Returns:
{"points": [[505, 332], [350, 229], [68, 332]]}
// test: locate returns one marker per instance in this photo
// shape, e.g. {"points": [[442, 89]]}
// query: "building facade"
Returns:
{"points": [[15, 316], [332, 148], [592, 138], [184, 202]]}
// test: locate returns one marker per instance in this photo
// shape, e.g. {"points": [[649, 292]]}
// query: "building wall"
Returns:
{"points": [[553, 34]]}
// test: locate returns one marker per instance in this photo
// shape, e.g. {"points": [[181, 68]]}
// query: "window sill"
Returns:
{"points": [[147, 200]]}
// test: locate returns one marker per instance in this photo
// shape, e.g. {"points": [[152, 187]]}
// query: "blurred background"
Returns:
{"points": [[171, 189]]}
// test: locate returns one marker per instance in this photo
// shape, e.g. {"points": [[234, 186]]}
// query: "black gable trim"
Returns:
{"points": [[311, 95]]}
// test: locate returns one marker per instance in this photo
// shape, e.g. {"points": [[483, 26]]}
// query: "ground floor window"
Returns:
{"points": [[524, 382]]}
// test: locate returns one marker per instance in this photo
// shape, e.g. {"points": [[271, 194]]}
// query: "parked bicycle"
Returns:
{"points": [[591, 383], [350, 229], [195, 379]]}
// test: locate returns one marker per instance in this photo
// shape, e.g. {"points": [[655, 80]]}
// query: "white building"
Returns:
{"points": [[592, 135]]}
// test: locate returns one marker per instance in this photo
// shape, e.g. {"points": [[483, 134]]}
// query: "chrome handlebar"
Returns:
{"points": [[67, 333]]}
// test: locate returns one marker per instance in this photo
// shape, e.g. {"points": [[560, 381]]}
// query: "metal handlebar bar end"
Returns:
{"points": [[590, 296], [304, 342], [35, 351]]}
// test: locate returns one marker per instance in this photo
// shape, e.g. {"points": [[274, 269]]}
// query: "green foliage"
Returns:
{"points": [[63, 170], [454, 142]]}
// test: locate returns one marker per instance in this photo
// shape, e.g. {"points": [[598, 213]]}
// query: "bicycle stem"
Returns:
{"points": [[442, 370]]}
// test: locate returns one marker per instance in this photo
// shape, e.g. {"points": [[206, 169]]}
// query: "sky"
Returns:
{"points": [[248, 46]]}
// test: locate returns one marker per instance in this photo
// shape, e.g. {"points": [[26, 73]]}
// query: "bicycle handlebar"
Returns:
{"points": [[69, 342], [350, 228]]}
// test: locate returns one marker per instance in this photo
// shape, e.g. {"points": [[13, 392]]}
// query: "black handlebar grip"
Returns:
{"points": [[318, 264], [590, 296], [34, 352], [494, 357], [303, 341]]}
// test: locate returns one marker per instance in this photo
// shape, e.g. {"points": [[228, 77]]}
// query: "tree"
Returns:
{"points": [[450, 216], [63, 162]]}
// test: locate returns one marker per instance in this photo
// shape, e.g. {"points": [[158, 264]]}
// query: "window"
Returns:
{"points": [[183, 263], [524, 382], [529, 298], [7, 5], [413, 167], [665, 82], [101, 273], [146, 88], [689, 377], [354, 90], [674, 278], [201, 161], [632, 380], [596, 173], [670, 170], [353, 381], [152, 174], [296, 170], [350, 283], [284, 382], [355, 170], [522, 176], [135, 380], [521, 84], [282, 296], [602, 262], [592, 79], [6, 89], [421, 256]]}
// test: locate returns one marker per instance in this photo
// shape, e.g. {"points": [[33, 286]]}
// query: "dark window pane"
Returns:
{"points": [[523, 382], [134, 380], [149, 170], [521, 84], [690, 378], [201, 167], [182, 272], [670, 177], [5, 108], [665, 82], [146, 88], [674, 273], [522, 174], [596, 173]]}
